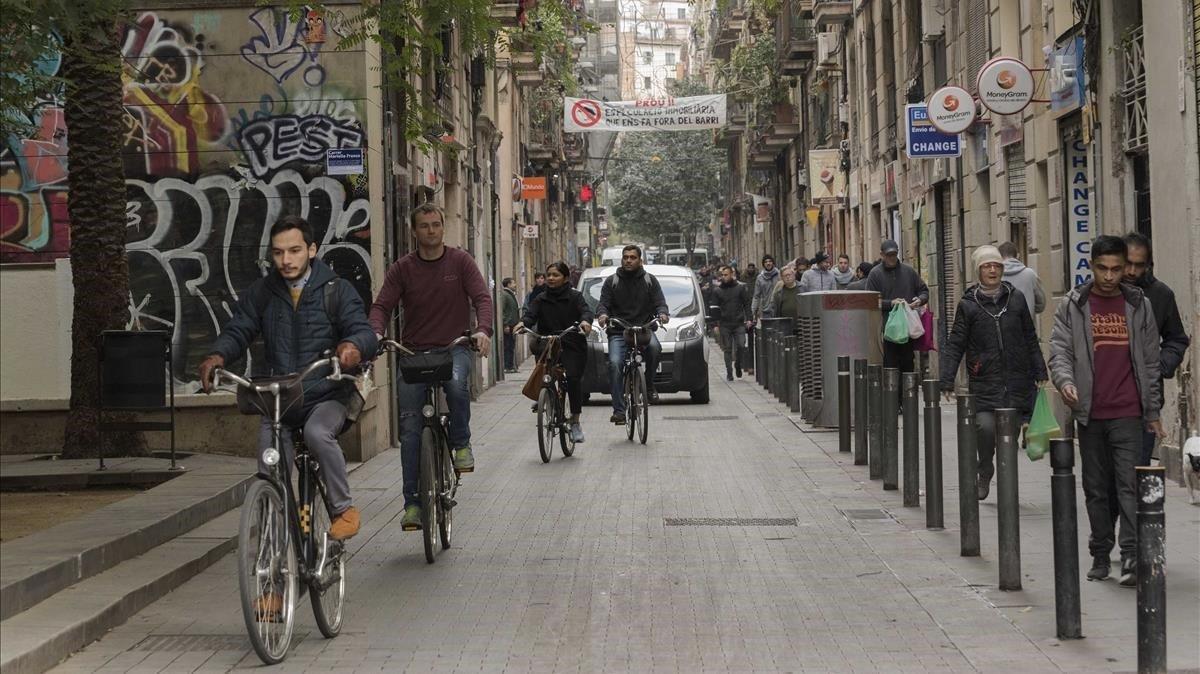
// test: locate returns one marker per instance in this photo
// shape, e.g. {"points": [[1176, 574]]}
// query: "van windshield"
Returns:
{"points": [[679, 291]]}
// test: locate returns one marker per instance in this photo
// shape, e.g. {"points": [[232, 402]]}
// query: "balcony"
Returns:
{"points": [[545, 144], [826, 12], [783, 127], [507, 13], [795, 37]]}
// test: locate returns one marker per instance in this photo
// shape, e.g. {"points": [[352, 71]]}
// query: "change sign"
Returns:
{"points": [[653, 114], [921, 139]]}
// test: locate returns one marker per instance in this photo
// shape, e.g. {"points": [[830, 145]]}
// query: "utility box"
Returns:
{"points": [[833, 323]]}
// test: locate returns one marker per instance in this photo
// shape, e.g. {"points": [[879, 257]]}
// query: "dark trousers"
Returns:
{"points": [[898, 355], [510, 347], [733, 345], [1148, 441], [986, 443], [1109, 449]]}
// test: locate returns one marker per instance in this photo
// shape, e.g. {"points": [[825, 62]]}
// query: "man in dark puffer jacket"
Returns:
{"points": [[993, 330], [288, 308], [732, 299]]}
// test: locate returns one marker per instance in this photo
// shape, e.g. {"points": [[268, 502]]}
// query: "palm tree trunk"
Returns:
{"points": [[96, 203]]}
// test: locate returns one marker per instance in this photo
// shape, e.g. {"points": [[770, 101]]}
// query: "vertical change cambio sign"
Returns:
{"points": [[690, 113], [1079, 213]]}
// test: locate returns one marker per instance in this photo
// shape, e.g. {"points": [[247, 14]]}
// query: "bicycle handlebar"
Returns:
{"points": [[564, 333], [393, 345], [622, 324], [330, 361]]}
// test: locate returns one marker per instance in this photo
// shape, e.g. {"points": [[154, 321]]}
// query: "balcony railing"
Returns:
{"points": [[1133, 91], [832, 11]]}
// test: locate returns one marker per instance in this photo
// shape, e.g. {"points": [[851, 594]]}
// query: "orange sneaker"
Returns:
{"points": [[345, 525]]}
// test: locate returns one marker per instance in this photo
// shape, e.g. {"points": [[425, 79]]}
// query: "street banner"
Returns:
{"points": [[689, 113], [827, 183]]}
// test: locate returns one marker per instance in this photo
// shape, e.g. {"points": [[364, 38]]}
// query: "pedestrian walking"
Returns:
{"points": [[785, 304], [1105, 360], [843, 274], [993, 332], [539, 286], [1024, 279], [764, 285], [749, 275], [733, 308], [1173, 340], [818, 277], [860, 276], [896, 283], [510, 315]]}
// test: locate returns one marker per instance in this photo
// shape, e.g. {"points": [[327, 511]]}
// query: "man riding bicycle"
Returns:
{"points": [[437, 287], [300, 318], [634, 296]]}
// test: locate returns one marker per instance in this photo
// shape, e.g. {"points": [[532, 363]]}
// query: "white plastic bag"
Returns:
{"points": [[915, 329]]}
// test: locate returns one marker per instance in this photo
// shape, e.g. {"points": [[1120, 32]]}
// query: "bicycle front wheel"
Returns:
{"points": [[267, 572], [631, 404], [428, 486], [545, 425], [446, 496], [328, 591], [643, 406], [566, 441]]}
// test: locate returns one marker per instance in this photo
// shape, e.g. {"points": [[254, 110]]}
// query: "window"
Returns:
{"points": [[682, 13], [670, 82], [670, 58], [670, 33], [646, 83], [647, 57]]}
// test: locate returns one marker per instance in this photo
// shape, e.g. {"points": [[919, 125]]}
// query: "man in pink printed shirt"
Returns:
{"points": [[437, 286]]}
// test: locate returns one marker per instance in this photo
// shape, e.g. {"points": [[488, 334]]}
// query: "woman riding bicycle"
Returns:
{"points": [[550, 313]]}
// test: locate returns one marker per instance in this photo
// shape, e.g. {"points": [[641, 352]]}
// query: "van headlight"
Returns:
{"points": [[689, 331]]}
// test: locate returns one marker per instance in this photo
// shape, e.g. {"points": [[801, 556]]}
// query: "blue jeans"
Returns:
{"points": [[411, 398], [616, 357]]}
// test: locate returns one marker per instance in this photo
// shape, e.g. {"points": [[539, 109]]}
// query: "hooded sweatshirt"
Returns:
{"points": [[1026, 280], [843, 279], [764, 286]]}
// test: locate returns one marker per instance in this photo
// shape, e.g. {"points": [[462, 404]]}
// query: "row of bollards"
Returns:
{"points": [[868, 427]]}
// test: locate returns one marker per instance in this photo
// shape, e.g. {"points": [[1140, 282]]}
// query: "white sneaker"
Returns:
{"points": [[576, 433]]}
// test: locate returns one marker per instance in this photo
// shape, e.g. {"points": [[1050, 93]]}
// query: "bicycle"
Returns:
{"points": [[277, 519], [552, 400], [637, 337], [439, 481]]}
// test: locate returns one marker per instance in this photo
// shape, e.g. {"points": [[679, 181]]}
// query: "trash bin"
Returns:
{"points": [[833, 323]]}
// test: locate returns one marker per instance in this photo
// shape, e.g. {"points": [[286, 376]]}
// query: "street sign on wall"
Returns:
{"points": [[922, 139]]}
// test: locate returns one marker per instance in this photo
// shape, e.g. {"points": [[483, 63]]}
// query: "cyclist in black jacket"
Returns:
{"points": [[633, 295], [556, 308]]}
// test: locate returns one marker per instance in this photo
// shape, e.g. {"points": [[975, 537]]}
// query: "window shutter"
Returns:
{"points": [[978, 39], [1014, 166]]}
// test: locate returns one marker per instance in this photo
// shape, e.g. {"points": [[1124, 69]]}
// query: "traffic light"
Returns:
{"points": [[585, 193]]}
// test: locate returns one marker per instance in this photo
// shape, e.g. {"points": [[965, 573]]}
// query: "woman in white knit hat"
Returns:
{"points": [[994, 334]]}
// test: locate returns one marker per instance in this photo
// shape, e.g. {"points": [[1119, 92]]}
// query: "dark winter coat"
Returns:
{"points": [[634, 297], [554, 310], [732, 303], [900, 282], [996, 337], [295, 337], [1170, 327]]}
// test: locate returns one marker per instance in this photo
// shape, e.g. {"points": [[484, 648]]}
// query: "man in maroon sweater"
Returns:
{"points": [[437, 287]]}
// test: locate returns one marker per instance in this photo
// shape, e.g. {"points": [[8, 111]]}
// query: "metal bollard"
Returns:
{"points": [[793, 376], [1066, 540], [1008, 512], [912, 431], [934, 516], [968, 472], [891, 439], [785, 370], [860, 411], [759, 370], [875, 421], [1151, 571], [843, 378]]}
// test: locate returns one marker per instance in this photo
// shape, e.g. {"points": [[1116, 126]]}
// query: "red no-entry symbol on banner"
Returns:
{"points": [[585, 113]]}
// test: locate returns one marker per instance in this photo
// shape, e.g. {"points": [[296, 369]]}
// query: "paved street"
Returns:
{"points": [[572, 567]]}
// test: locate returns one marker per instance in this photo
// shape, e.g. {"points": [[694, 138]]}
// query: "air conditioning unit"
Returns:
{"points": [[827, 48], [933, 19]]}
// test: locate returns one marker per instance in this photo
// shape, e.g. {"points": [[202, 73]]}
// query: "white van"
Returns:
{"points": [[611, 257], [679, 256]]}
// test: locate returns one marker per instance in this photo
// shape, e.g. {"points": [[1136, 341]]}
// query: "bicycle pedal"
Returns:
{"points": [[410, 527]]}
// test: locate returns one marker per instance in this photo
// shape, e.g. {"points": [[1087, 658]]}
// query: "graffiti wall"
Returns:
{"points": [[228, 117]]}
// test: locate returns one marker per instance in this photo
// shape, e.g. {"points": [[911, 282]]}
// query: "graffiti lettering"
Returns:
{"points": [[270, 144], [280, 50]]}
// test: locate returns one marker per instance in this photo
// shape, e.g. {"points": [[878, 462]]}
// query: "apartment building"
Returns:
{"points": [[655, 37]]}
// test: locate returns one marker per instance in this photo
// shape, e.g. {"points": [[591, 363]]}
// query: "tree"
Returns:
{"points": [[90, 35], [665, 183]]}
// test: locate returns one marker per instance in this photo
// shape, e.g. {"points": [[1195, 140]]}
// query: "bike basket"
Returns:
{"points": [[250, 401], [427, 368], [638, 338]]}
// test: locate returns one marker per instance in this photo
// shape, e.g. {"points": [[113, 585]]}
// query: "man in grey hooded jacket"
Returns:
{"points": [[764, 287], [1024, 279], [1104, 359]]}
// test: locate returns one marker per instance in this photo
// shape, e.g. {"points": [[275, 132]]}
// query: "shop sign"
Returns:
{"points": [[951, 110], [529, 232], [533, 188], [1005, 85], [827, 182], [922, 139], [1079, 213]]}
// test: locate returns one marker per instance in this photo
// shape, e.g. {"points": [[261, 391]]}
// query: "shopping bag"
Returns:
{"points": [[533, 386], [896, 329], [1043, 427], [915, 329], [926, 343]]}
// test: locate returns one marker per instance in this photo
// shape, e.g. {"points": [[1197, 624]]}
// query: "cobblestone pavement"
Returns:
{"points": [[573, 566]]}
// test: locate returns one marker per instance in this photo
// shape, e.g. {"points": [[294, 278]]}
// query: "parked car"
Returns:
{"points": [[684, 362]]}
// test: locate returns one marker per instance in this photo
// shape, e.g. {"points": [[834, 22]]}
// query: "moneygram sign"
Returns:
{"points": [[951, 110], [656, 114], [1005, 85]]}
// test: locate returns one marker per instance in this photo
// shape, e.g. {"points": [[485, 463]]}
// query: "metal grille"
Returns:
{"points": [[949, 275], [978, 40], [871, 514], [179, 643], [808, 354], [1014, 166], [1137, 135], [729, 521]]}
